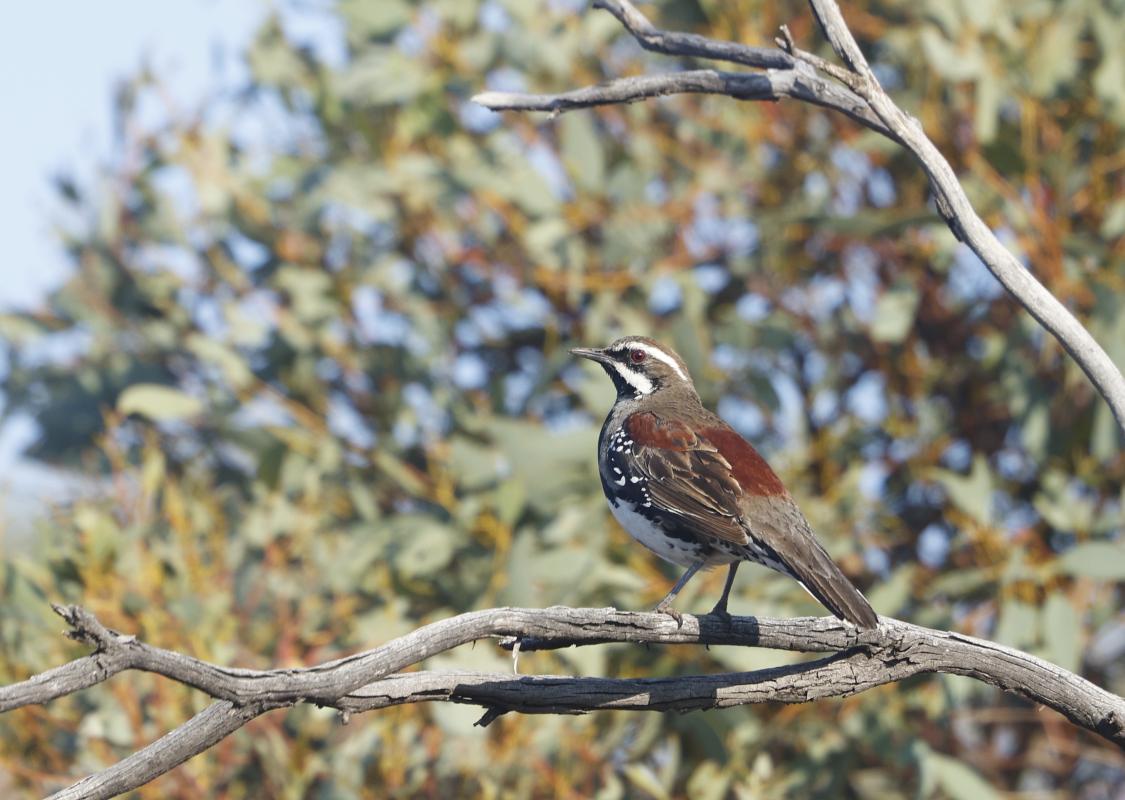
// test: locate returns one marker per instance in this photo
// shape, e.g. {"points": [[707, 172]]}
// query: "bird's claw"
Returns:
{"points": [[673, 613]]}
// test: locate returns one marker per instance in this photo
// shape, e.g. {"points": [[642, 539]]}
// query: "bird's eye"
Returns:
{"points": [[637, 356]]}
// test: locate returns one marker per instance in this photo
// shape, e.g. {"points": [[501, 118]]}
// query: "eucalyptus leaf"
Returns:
{"points": [[958, 780], [1018, 625], [159, 403], [1101, 560], [894, 315], [582, 151], [1062, 632], [425, 547], [971, 493]]}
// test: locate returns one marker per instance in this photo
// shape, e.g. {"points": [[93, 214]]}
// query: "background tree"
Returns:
{"points": [[315, 341]]}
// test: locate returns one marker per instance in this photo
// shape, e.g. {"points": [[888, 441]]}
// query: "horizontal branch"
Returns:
{"points": [[543, 629], [838, 675], [800, 83], [627, 90], [859, 660]]}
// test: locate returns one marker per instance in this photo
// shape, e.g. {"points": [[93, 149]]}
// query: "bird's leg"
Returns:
{"points": [[720, 609], [665, 605]]}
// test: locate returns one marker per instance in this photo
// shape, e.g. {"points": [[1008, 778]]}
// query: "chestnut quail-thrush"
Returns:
{"points": [[685, 485]]}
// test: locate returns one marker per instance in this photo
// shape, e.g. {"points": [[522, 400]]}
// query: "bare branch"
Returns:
{"points": [[800, 83], [627, 90], [792, 72], [839, 675], [967, 225], [674, 43], [204, 730], [555, 627], [859, 660]]}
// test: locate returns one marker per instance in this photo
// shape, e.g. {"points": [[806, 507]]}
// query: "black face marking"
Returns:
{"points": [[628, 380]]}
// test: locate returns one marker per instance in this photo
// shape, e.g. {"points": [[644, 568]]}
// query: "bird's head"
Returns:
{"points": [[639, 366]]}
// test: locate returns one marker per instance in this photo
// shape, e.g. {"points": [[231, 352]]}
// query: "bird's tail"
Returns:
{"points": [[806, 560], [829, 585], [781, 528]]}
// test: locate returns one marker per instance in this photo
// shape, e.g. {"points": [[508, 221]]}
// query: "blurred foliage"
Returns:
{"points": [[315, 346]]}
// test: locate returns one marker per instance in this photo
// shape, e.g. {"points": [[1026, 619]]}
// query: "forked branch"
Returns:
{"points": [[851, 89], [857, 661]]}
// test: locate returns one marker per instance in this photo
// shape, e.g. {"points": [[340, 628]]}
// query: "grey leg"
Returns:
{"points": [[665, 605], [720, 609]]}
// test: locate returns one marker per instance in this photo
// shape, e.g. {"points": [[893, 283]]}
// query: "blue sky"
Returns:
{"points": [[59, 64]]}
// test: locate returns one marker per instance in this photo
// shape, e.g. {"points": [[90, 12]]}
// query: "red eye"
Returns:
{"points": [[637, 356]]}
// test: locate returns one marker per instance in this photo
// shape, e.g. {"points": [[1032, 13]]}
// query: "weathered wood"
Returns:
{"points": [[859, 660]]}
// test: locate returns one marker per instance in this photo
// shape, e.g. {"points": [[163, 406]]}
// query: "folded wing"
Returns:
{"points": [[718, 484]]}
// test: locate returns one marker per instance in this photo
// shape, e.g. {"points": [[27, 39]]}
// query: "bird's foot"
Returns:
{"points": [[666, 608], [720, 611]]}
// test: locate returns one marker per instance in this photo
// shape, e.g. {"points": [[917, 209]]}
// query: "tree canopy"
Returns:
{"points": [[314, 348]]}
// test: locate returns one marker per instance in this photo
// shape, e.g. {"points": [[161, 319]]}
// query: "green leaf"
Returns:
{"points": [[889, 596], [1101, 560], [1062, 632], [894, 314], [582, 151], [428, 547], [308, 291], [527, 447], [958, 780], [953, 62], [960, 582], [511, 499], [382, 77], [1018, 624], [971, 493], [643, 778], [158, 402], [1035, 430], [273, 59], [1113, 223], [708, 782], [1061, 505], [372, 20], [545, 240], [235, 369]]}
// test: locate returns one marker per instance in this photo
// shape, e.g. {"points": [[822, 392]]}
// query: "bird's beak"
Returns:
{"points": [[592, 353]]}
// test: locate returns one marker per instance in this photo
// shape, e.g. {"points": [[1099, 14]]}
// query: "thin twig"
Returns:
{"points": [[675, 43]]}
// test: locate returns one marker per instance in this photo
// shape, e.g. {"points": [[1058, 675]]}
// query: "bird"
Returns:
{"points": [[689, 488]]}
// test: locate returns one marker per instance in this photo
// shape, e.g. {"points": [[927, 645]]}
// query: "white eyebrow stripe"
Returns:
{"points": [[660, 355], [635, 379]]}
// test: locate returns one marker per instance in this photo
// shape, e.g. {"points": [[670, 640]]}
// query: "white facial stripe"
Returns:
{"points": [[635, 379], [660, 355]]}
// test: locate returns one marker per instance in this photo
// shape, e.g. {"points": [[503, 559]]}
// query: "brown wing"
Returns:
{"points": [[687, 476], [719, 484]]}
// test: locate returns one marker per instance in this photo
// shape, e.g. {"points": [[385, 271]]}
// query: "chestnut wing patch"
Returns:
{"points": [[687, 476], [649, 430], [747, 466]]}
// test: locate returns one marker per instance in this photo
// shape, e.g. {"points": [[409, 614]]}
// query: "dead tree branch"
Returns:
{"points": [[790, 72], [858, 661]]}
